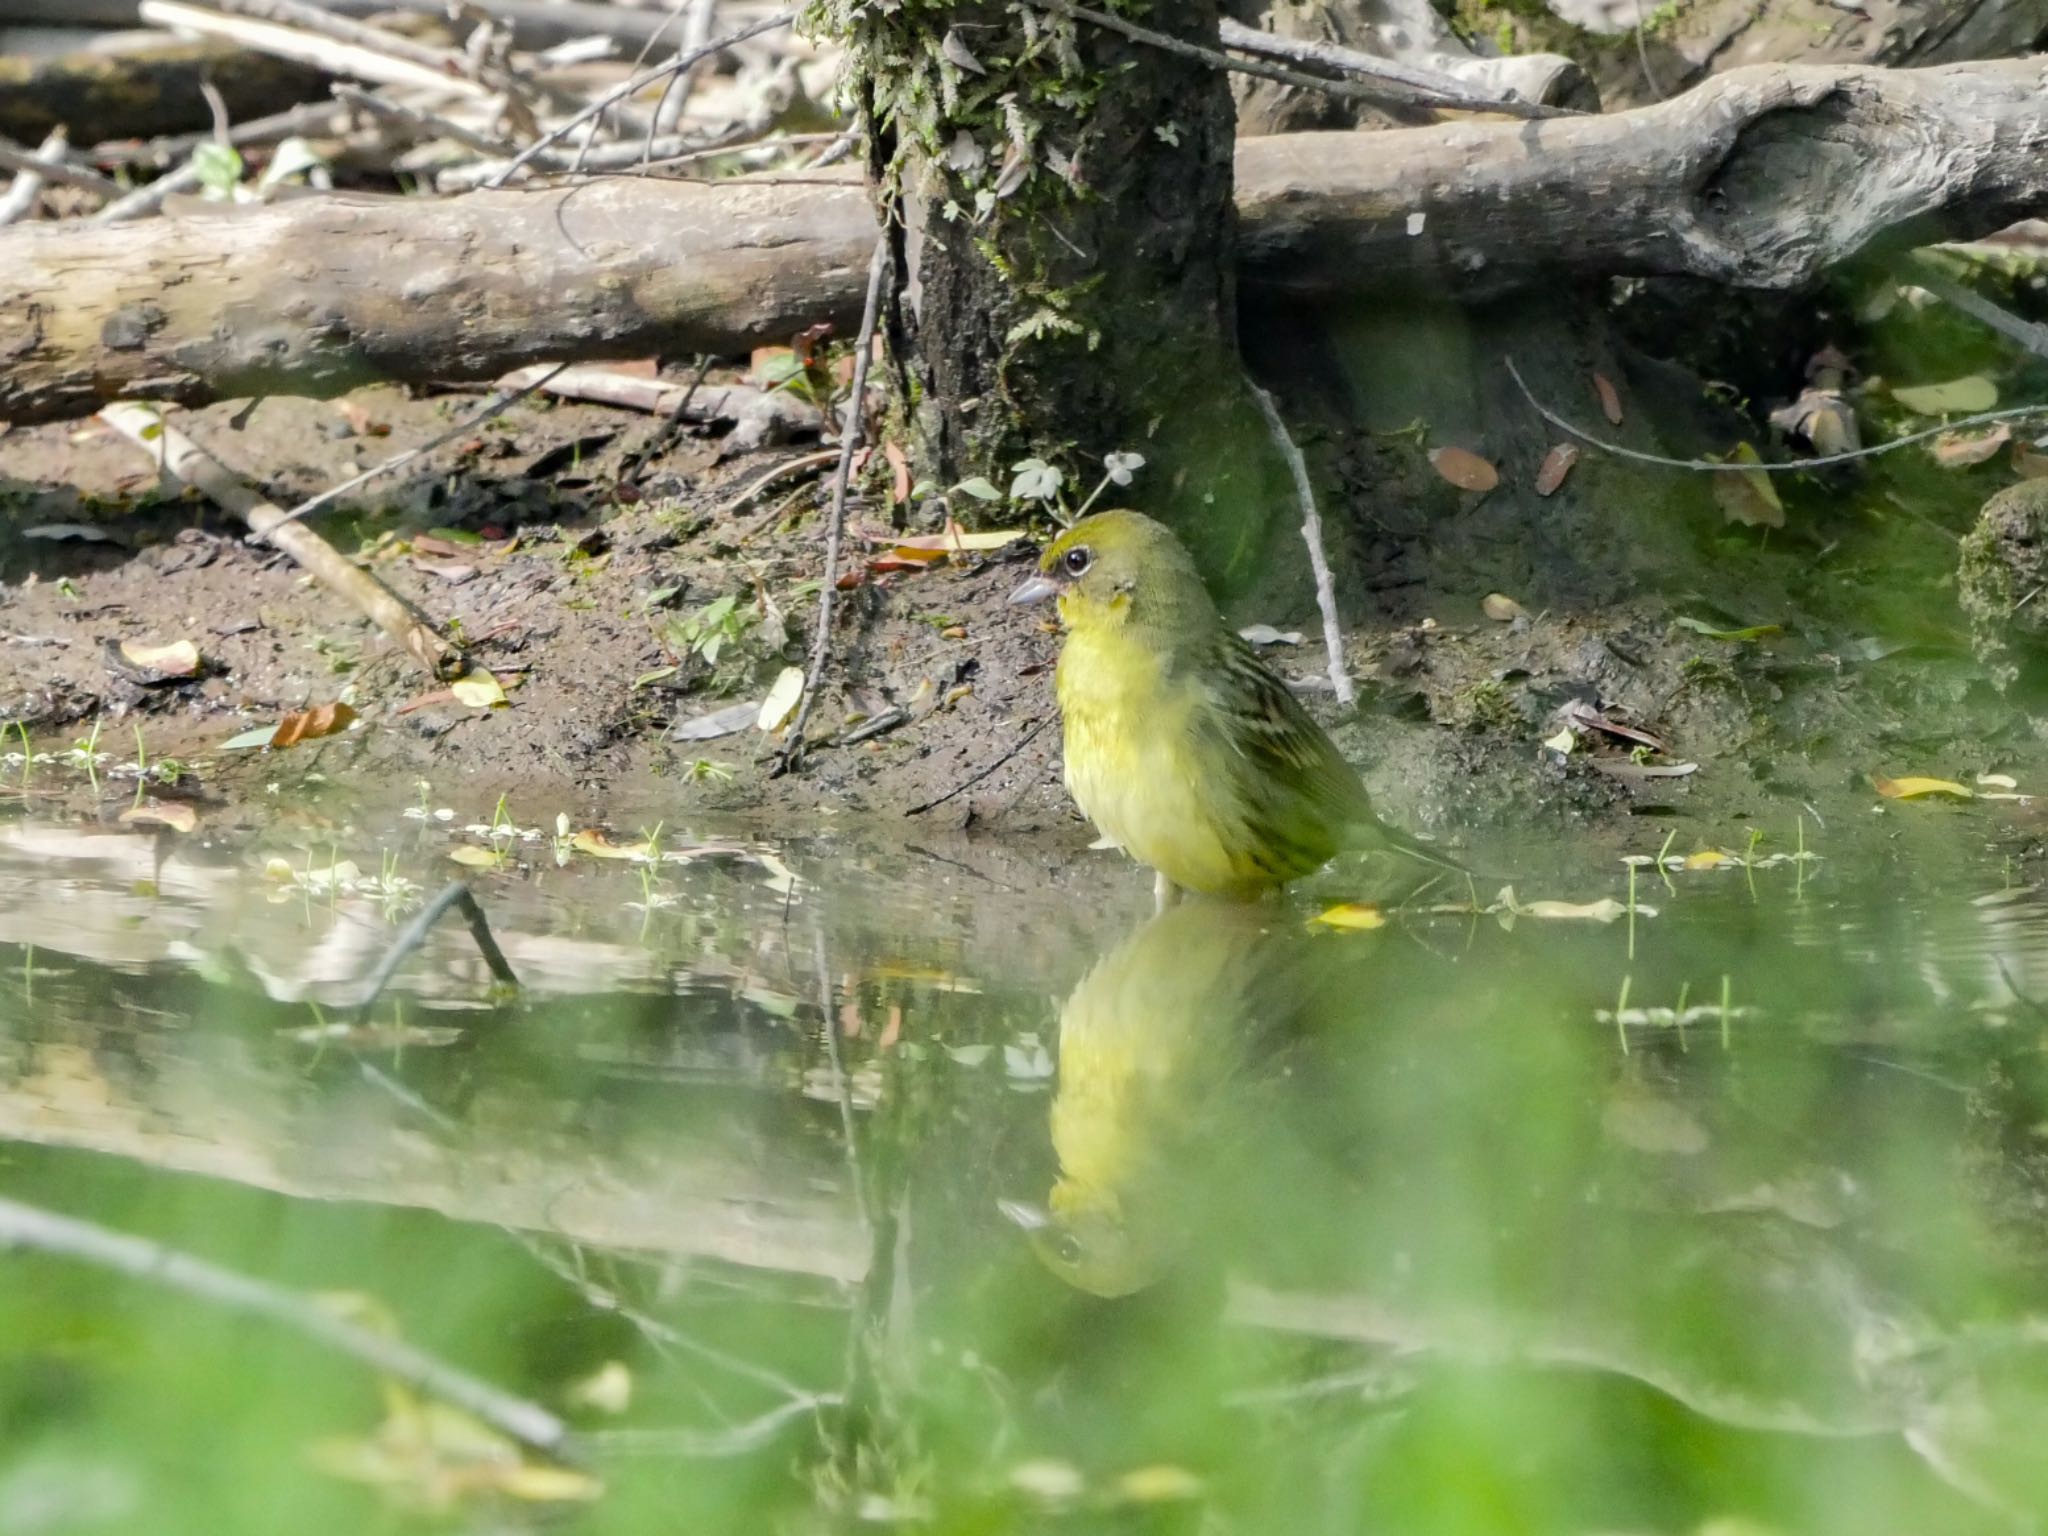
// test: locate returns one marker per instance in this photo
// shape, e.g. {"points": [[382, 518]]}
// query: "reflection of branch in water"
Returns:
{"points": [[26, 1226], [839, 1079], [414, 934]]}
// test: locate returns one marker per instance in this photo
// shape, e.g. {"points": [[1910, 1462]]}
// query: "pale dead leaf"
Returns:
{"points": [[1958, 397], [1556, 465], [1610, 398], [175, 814], [1959, 450], [479, 690], [180, 658], [1464, 469], [1749, 498], [1501, 608]]}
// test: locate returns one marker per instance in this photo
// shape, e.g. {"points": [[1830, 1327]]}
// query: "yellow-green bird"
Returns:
{"points": [[1180, 746]]}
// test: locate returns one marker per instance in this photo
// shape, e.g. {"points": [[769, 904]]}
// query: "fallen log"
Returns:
{"points": [[1761, 178], [141, 92]]}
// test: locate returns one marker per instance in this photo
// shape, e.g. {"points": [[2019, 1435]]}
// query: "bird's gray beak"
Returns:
{"points": [[1036, 590], [1032, 1218]]}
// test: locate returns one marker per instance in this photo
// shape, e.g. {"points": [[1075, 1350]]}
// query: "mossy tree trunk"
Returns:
{"points": [[1058, 200]]}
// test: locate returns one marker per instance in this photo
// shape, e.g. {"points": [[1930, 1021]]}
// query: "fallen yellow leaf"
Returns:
{"points": [[471, 857], [1709, 858], [1353, 915], [782, 699], [1919, 788], [598, 846], [479, 690]]}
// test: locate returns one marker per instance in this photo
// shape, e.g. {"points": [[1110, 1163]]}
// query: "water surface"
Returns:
{"points": [[813, 1184]]}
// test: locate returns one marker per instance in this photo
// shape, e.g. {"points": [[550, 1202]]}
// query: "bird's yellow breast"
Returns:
{"points": [[1135, 763]]}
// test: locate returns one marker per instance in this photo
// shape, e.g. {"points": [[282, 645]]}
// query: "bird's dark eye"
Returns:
{"points": [[1068, 1247], [1078, 559]]}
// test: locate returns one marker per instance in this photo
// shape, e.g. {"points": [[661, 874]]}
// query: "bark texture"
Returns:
{"points": [[1683, 45], [142, 93], [1061, 230], [1762, 178]]}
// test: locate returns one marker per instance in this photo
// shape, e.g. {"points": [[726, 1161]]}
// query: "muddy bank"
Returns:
{"points": [[1721, 675]]}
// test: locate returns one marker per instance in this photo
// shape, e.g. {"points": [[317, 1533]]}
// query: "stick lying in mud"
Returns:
{"points": [[29, 1227], [1312, 535], [177, 455], [849, 440], [414, 934], [976, 777]]}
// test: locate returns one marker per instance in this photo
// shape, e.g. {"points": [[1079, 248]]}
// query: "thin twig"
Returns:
{"points": [[29, 1227], [975, 778], [1643, 56], [629, 87], [588, 159], [849, 440], [54, 167], [1929, 274], [670, 429], [753, 488], [176, 454], [496, 406], [1239, 38], [701, 1444], [309, 118], [421, 125], [144, 201], [1737, 466], [743, 139], [305, 47], [414, 934], [1312, 535], [20, 199], [675, 95], [842, 1086], [453, 68], [1405, 93]]}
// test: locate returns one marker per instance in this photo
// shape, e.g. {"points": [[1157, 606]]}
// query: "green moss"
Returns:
{"points": [[1488, 705]]}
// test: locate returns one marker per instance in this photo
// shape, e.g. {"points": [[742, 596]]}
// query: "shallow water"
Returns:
{"points": [[812, 1184]]}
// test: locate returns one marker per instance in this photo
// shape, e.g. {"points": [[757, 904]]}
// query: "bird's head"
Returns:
{"points": [[1085, 1236], [1119, 568]]}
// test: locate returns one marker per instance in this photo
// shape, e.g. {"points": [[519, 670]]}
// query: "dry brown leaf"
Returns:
{"points": [[1959, 450], [1749, 498], [2029, 464], [1464, 469], [312, 724], [1610, 399], [1556, 465]]}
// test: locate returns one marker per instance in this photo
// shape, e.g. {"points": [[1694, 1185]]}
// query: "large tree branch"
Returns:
{"points": [[1763, 177]]}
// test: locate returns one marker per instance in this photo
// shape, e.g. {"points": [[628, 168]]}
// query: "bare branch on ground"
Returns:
{"points": [[177, 455]]}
